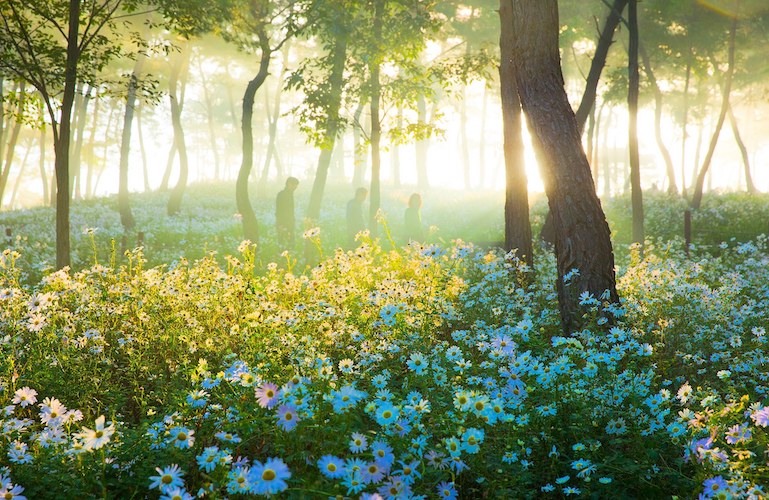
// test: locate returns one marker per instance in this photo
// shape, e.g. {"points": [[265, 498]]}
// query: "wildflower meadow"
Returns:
{"points": [[435, 370]]}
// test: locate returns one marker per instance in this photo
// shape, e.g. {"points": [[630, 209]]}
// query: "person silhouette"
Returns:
{"points": [[413, 219], [284, 214], [355, 221]]}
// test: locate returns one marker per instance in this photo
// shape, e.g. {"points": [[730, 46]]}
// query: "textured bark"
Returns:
{"points": [[636, 194], [179, 73], [250, 223], [669, 169], [582, 233], [605, 41], [727, 87], [517, 224], [743, 152], [336, 83]]}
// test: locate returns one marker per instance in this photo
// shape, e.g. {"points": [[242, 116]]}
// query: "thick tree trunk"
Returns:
{"points": [[179, 74], [421, 147], [517, 224], [248, 217], [669, 168], [605, 41], [697, 196], [376, 124], [582, 234], [751, 188], [124, 206], [636, 194], [336, 83]]}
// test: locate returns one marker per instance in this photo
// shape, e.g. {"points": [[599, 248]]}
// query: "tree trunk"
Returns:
{"points": [[395, 156], [43, 176], [743, 151], [464, 140], [697, 196], [582, 234], [124, 206], [20, 175], [421, 147], [81, 105], [169, 167], [250, 224], [376, 125], [179, 72], [359, 153], [272, 126], [684, 122], [91, 148], [517, 223], [605, 41], [12, 140], [142, 149], [210, 118], [331, 128], [61, 143], [636, 193]]}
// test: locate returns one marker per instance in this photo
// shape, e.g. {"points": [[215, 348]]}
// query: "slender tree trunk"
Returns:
{"points": [[743, 151], [43, 176], [272, 126], [142, 148], [395, 157], [517, 223], [376, 125], [669, 168], [605, 41], [177, 103], [124, 206], [12, 141], [105, 146], [169, 167], [331, 127], [250, 224], [697, 196], [210, 118], [91, 148], [632, 105], [359, 154], [684, 122], [81, 105], [421, 147], [482, 139], [19, 177], [582, 234], [464, 140]]}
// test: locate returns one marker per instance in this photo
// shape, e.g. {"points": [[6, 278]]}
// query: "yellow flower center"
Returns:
{"points": [[268, 475]]}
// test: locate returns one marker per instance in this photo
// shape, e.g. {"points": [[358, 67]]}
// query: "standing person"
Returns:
{"points": [[413, 219], [284, 214], [355, 221]]}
